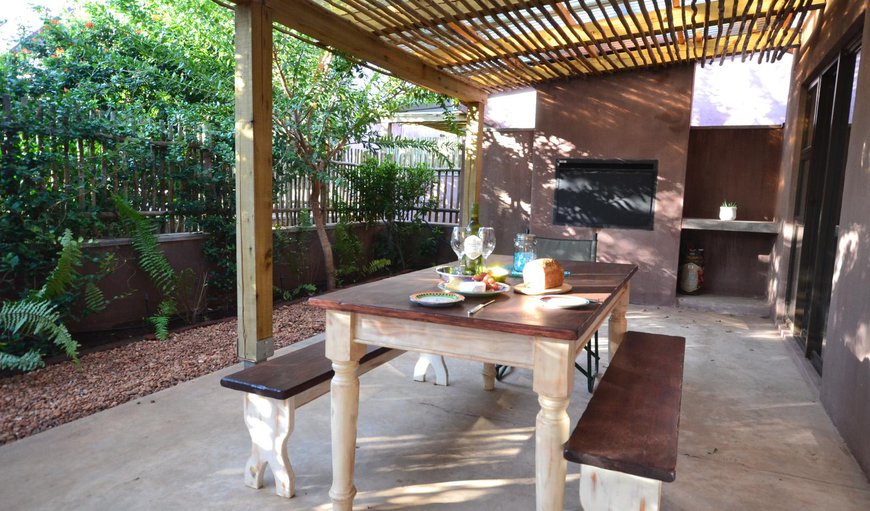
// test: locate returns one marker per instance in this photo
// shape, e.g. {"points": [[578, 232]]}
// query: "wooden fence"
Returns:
{"points": [[153, 175], [292, 198]]}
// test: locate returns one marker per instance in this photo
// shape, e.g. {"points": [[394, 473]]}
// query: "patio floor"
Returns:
{"points": [[753, 436]]}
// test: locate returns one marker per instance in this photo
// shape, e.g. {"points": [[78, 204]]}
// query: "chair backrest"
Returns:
{"points": [[569, 249]]}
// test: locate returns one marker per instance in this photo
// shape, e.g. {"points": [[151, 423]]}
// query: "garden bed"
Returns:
{"points": [[64, 392]]}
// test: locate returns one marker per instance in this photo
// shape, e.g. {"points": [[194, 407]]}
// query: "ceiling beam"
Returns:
{"points": [[733, 48], [466, 14], [599, 31], [310, 19]]}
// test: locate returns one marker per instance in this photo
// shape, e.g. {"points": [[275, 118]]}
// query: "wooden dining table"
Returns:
{"points": [[514, 331]]}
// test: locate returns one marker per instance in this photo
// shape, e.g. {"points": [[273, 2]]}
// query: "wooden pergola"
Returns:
{"points": [[468, 49]]}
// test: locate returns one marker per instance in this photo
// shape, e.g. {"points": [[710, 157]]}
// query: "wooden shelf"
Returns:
{"points": [[710, 224]]}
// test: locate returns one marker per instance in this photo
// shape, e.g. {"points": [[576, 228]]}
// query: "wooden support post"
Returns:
{"points": [[473, 165], [254, 179]]}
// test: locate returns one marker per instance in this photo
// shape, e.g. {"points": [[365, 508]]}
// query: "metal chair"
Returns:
{"points": [[571, 250]]}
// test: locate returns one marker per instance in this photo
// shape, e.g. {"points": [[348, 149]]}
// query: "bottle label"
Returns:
{"points": [[473, 247]]}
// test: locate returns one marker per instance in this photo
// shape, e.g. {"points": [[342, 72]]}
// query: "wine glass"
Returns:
{"points": [[457, 243], [487, 236]]}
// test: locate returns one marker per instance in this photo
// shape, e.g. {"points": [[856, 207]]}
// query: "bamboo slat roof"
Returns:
{"points": [[497, 45]]}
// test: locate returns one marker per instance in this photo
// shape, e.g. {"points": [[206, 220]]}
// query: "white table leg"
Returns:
{"points": [[345, 355], [617, 325], [488, 376], [553, 382], [439, 366]]}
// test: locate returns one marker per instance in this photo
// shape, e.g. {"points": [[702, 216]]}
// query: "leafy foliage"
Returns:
{"points": [[154, 263], [65, 271], [88, 93], [324, 102], [387, 192], [25, 323], [34, 318]]}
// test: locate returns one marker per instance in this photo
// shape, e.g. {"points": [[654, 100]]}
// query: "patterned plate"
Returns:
{"points": [[436, 299]]}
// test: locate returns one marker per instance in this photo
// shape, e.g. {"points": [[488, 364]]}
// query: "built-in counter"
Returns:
{"points": [[709, 224]]}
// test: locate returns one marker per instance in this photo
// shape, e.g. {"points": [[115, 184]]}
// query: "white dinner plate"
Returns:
{"points": [[562, 301], [502, 288]]}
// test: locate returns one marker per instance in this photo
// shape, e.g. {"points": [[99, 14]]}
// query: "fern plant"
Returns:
{"points": [[37, 316], [153, 263], [34, 318]]}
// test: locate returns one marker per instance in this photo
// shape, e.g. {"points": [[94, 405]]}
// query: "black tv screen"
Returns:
{"points": [[605, 193]]}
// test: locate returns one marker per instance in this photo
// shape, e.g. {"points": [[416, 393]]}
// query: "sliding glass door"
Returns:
{"points": [[827, 121]]}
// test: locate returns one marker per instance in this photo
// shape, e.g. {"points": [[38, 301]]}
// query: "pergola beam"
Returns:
{"points": [[730, 49], [624, 28], [328, 28]]}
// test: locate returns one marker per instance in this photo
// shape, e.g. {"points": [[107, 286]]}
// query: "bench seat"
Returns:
{"points": [[628, 433], [273, 390]]}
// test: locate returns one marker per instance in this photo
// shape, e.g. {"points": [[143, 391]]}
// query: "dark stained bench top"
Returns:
{"points": [[293, 373], [632, 421]]}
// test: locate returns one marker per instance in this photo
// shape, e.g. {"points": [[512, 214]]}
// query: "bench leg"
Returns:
{"points": [[270, 423], [602, 489], [439, 366], [488, 376]]}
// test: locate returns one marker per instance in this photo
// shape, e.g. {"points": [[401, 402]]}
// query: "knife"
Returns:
{"points": [[476, 309]]}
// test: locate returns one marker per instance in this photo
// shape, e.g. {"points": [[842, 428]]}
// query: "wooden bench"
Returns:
{"points": [[626, 440], [273, 390]]}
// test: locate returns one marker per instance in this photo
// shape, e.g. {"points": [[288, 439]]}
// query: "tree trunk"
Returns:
{"points": [[318, 212]]}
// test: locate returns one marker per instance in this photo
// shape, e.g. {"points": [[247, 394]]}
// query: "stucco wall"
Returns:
{"points": [[845, 390], [846, 379], [642, 115], [506, 189]]}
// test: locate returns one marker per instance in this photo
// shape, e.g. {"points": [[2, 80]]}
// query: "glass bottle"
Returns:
{"points": [[472, 257], [524, 250]]}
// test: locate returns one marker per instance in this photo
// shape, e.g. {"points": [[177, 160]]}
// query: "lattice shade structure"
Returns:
{"points": [[493, 45]]}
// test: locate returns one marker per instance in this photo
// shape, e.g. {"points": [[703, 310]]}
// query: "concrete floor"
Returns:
{"points": [[753, 436]]}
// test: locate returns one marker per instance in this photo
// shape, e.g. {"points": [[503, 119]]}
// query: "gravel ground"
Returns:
{"points": [[63, 392]]}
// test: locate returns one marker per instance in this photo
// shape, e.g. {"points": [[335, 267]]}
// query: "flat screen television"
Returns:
{"points": [[605, 193]]}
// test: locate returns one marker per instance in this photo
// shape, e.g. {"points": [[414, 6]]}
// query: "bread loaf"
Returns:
{"points": [[541, 274]]}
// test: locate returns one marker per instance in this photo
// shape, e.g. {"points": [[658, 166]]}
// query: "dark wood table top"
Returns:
{"points": [[511, 313]]}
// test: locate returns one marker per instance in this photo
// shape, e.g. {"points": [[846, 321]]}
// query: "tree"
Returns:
{"points": [[325, 102]]}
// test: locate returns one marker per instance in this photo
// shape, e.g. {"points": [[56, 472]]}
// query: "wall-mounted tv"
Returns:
{"points": [[605, 193]]}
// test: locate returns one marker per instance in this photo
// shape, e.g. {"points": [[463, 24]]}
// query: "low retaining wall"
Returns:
{"points": [[299, 260]]}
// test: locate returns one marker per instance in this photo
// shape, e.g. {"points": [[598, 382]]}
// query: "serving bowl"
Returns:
{"points": [[447, 274]]}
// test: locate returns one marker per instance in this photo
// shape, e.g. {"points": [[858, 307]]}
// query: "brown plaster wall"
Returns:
{"points": [[505, 194], [846, 379], [137, 298], [637, 116], [737, 164], [845, 390]]}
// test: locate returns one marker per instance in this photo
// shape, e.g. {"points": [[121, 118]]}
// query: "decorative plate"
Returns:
{"points": [[436, 299], [562, 302], [502, 288], [524, 290]]}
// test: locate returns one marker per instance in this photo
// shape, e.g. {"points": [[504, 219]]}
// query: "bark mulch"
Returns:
{"points": [[64, 392]]}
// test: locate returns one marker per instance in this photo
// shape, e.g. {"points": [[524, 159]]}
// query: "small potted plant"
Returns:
{"points": [[728, 210]]}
